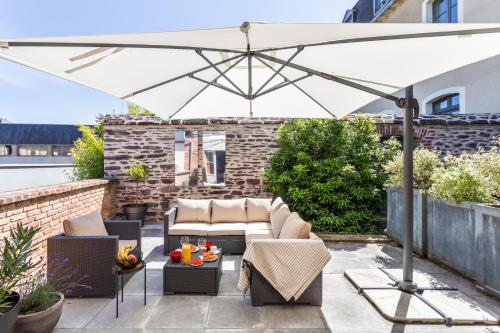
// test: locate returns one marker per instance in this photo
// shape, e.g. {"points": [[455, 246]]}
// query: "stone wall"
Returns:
{"points": [[47, 207], [249, 145]]}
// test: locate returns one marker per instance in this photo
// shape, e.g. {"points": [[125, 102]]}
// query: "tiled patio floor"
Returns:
{"points": [[343, 309]]}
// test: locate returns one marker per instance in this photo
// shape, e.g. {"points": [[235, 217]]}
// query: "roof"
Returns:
{"points": [[41, 134]]}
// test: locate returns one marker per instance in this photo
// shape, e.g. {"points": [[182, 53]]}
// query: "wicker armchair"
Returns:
{"points": [[93, 256]]}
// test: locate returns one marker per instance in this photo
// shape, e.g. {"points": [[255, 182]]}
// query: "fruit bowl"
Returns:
{"points": [[128, 258], [175, 256]]}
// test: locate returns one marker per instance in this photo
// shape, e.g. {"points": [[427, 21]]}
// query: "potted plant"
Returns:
{"points": [[15, 265], [138, 173], [42, 299]]}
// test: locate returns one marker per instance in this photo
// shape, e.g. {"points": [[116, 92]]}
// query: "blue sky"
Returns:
{"points": [[29, 96]]}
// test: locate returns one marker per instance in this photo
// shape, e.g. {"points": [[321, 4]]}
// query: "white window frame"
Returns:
{"points": [[427, 11], [426, 106], [375, 12]]}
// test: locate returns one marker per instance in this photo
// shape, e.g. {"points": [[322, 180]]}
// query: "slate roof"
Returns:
{"points": [[38, 134]]}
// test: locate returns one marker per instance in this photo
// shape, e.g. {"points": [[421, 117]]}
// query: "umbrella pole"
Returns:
{"points": [[407, 283]]}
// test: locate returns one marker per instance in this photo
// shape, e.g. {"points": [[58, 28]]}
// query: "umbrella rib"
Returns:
{"points": [[299, 49], [283, 84], [182, 76], [299, 88], [391, 37], [205, 87], [330, 77], [124, 45], [217, 85], [200, 53]]}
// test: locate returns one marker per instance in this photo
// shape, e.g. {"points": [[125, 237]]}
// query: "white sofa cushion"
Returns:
{"points": [[257, 234], [130, 242], [279, 219], [232, 210], [227, 229], [258, 226], [277, 203], [258, 209], [90, 224], [193, 210], [295, 228], [189, 229]]}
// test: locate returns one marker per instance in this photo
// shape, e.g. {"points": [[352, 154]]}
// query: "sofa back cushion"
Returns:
{"points": [[295, 228], [232, 210], [277, 203], [279, 219], [258, 210], [193, 210], [90, 224]]}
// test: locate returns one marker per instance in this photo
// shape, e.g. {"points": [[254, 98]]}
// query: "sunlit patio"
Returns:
{"points": [[343, 309]]}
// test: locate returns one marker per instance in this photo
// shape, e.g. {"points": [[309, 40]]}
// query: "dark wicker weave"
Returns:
{"points": [[93, 256], [229, 244], [262, 292], [179, 278]]}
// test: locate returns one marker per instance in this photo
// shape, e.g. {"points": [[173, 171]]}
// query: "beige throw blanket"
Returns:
{"points": [[289, 265]]}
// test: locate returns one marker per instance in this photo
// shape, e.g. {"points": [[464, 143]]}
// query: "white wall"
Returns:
{"points": [[15, 177], [478, 84]]}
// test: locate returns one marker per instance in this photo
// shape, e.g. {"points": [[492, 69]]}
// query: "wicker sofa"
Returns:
{"points": [[233, 232], [92, 256]]}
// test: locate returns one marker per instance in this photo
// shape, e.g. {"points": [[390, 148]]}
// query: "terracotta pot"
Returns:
{"points": [[9, 318], [40, 322]]}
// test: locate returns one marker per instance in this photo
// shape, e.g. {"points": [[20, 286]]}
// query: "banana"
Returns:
{"points": [[122, 255]]}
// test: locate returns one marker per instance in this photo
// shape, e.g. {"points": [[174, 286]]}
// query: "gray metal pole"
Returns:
{"points": [[407, 283]]}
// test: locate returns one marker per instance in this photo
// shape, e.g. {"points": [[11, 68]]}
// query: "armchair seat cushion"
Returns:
{"points": [[90, 224], [190, 229], [259, 226], [131, 242], [258, 234], [227, 229]]}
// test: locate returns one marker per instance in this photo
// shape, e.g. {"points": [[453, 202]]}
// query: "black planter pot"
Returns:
{"points": [[135, 212], [8, 319]]}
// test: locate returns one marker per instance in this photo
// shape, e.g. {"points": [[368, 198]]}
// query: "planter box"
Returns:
{"points": [[488, 248], [451, 235], [395, 219], [464, 236]]}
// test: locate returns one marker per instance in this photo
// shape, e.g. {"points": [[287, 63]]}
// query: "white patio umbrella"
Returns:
{"points": [[269, 70]]}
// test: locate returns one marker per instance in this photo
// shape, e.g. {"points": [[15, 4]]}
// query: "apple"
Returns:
{"points": [[132, 259]]}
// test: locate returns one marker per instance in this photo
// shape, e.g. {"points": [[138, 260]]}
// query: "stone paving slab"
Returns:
{"points": [[405, 308]]}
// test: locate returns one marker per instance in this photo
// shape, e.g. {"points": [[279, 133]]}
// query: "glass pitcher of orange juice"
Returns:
{"points": [[186, 250]]}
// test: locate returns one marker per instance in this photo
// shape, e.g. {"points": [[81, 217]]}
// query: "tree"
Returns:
{"points": [[138, 111], [330, 172], [88, 153]]}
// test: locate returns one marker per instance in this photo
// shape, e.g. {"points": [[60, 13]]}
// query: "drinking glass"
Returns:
{"points": [[186, 250], [202, 242]]}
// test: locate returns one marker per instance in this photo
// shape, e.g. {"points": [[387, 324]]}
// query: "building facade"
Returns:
{"points": [[467, 90], [34, 155]]}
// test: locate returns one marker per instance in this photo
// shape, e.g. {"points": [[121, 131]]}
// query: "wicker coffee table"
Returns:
{"points": [[179, 278]]}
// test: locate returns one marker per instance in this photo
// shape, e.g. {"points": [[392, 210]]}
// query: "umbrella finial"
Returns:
{"points": [[245, 27]]}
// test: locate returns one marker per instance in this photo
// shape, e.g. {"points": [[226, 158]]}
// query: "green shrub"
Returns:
{"points": [[138, 111], [88, 153], [459, 180], [138, 173], [425, 163], [330, 172]]}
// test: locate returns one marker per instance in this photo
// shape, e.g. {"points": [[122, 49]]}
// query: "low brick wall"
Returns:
{"points": [[47, 207]]}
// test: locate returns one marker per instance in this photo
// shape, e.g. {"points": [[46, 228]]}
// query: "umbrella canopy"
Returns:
{"points": [[276, 70]]}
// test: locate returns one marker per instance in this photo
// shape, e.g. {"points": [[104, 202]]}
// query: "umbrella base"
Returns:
{"points": [[431, 302]]}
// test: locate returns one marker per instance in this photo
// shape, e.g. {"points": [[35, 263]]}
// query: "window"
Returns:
{"points": [[449, 104], [5, 150], [445, 11], [378, 5], [61, 150], [214, 157], [186, 158], [33, 150]]}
